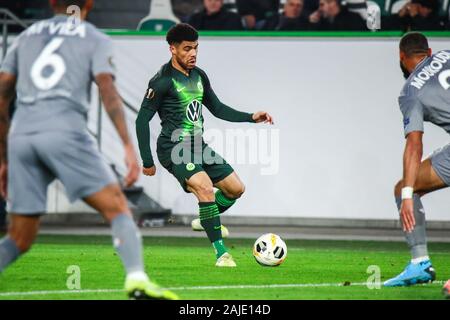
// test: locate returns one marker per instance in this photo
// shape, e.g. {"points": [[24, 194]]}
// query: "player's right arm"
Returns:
{"points": [[152, 101], [224, 112], [412, 111]]}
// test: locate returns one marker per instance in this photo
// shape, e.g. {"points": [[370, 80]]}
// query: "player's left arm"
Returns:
{"points": [[413, 119], [224, 112], [412, 157], [103, 71], [114, 108], [7, 91]]}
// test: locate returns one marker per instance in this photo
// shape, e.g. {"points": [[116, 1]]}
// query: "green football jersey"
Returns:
{"points": [[178, 99]]}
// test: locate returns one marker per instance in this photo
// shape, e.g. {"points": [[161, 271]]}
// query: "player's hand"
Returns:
{"points": [[4, 180], [262, 116], [132, 165], [149, 171], [407, 215]]}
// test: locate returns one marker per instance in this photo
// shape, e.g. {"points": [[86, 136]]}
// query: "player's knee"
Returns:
{"points": [[205, 190], [117, 204], [238, 191]]}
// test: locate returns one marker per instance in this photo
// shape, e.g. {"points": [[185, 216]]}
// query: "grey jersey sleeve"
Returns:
{"points": [[10, 62], [412, 110], [102, 60]]}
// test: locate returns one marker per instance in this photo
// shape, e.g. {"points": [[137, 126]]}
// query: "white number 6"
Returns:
{"points": [[48, 58]]}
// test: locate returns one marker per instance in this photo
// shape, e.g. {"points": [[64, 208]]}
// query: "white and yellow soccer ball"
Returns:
{"points": [[270, 250]]}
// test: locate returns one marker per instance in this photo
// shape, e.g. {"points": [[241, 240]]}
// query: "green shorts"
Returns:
{"points": [[184, 162]]}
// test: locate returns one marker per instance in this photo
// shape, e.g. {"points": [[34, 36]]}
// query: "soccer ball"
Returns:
{"points": [[269, 250]]}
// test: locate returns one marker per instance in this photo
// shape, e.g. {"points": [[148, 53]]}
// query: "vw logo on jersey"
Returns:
{"points": [[194, 111]]}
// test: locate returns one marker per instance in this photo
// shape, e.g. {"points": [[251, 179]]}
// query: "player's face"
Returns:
{"points": [[186, 54]]}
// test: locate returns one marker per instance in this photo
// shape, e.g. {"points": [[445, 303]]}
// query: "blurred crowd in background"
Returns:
{"points": [[266, 15]]}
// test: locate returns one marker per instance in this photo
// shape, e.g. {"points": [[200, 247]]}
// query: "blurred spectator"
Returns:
{"points": [[416, 15], [290, 19], [215, 17], [332, 16], [183, 9], [255, 12]]}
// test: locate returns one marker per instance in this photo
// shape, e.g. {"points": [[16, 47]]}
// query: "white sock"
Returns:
{"points": [[137, 275], [420, 259]]}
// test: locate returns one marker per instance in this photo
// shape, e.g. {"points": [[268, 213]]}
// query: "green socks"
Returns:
{"points": [[219, 247], [223, 203], [210, 221]]}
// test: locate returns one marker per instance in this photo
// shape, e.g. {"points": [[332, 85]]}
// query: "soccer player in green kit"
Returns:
{"points": [[177, 93]]}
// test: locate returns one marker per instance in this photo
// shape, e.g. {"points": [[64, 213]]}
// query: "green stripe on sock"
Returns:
{"points": [[223, 200], [208, 210], [209, 216], [210, 221], [205, 214]]}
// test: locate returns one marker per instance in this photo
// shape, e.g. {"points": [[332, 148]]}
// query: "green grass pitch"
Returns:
{"points": [[312, 270]]}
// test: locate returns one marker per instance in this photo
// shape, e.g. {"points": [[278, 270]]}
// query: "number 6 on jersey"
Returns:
{"points": [[48, 58]]}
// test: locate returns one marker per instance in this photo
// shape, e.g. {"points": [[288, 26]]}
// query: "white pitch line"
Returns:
{"points": [[269, 286]]}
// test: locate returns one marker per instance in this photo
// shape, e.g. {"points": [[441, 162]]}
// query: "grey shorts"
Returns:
{"points": [[440, 161], [35, 160]]}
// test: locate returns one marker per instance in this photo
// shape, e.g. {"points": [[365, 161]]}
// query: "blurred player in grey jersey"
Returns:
{"points": [[425, 97], [52, 65]]}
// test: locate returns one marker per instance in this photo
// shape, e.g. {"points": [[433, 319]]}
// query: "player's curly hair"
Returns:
{"points": [[414, 43], [181, 32]]}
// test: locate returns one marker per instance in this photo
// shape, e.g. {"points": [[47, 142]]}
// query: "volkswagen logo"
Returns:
{"points": [[194, 111]]}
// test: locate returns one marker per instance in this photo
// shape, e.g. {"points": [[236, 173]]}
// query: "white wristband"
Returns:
{"points": [[407, 193]]}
